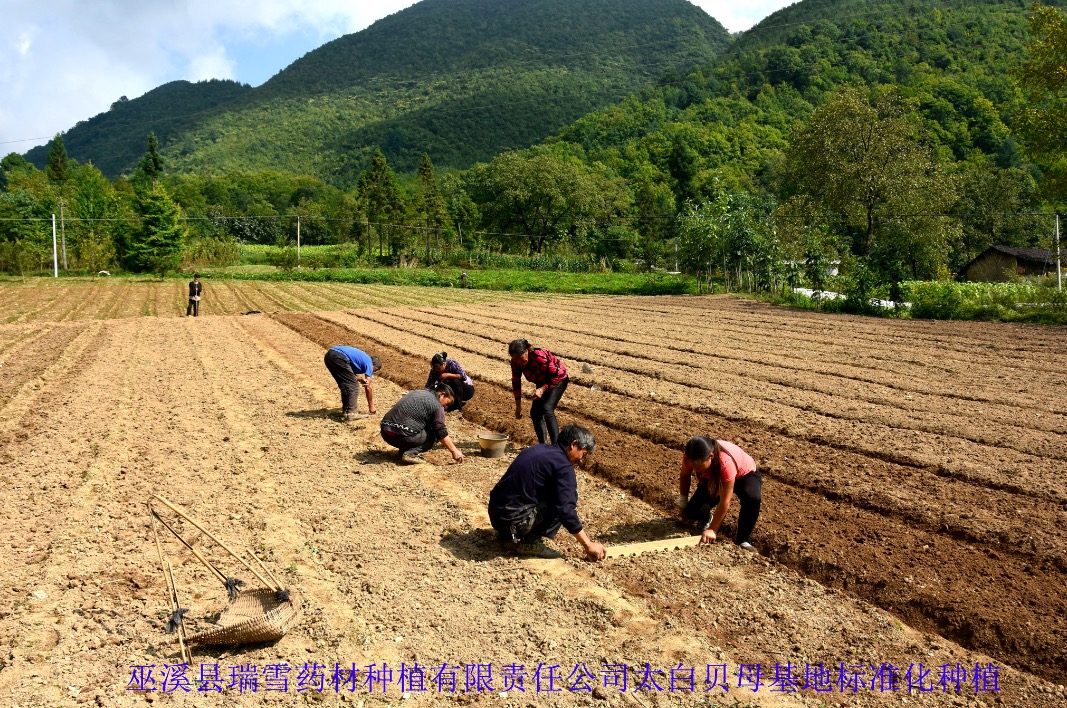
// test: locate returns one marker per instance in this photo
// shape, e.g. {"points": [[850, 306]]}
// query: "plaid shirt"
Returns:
{"points": [[543, 369]]}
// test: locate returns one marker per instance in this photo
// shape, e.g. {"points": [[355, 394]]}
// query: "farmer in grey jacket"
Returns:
{"points": [[417, 422]]}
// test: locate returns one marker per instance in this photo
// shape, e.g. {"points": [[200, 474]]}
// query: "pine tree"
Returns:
{"points": [[151, 165], [382, 198], [156, 245], [431, 204]]}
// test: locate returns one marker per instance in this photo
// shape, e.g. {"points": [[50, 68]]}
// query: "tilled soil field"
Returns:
{"points": [[913, 514], [72, 299]]}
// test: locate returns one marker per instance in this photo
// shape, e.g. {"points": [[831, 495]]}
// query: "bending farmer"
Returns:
{"points": [[353, 369], [448, 370], [722, 470], [539, 493], [417, 422], [545, 371]]}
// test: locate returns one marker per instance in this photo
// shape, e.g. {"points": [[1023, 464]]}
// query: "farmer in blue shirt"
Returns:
{"points": [[351, 369], [539, 493]]}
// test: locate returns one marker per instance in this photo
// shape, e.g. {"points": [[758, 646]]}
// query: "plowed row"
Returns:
{"points": [[50, 300], [914, 464]]}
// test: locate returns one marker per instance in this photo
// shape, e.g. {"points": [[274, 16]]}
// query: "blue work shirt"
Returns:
{"points": [[359, 359], [539, 474]]}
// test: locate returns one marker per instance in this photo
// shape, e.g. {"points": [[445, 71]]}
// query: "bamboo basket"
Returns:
{"points": [[254, 615]]}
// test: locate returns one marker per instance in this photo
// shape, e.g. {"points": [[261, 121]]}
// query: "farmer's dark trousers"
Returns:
{"points": [[544, 409], [749, 490], [463, 392], [405, 440], [193, 308], [341, 369], [541, 522]]}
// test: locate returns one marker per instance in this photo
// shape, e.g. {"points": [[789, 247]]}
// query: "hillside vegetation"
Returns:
{"points": [[460, 79], [114, 141]]}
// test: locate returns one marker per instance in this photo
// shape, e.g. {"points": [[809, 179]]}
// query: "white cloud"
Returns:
{"points": [[62, 61]]}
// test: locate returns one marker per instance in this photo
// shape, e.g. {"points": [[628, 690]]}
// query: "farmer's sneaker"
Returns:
{"points": [[411, 456], [537, 549], [746, 546], [349, 417]]}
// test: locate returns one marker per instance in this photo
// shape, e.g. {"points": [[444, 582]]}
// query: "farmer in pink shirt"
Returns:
{"points": [[722, 469]]}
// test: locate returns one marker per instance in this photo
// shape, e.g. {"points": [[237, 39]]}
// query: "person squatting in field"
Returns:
{"points": [[196, 288], [352, 368], [548, 373], [417, 422], [722, 470], [452, 374], [539, 493]]}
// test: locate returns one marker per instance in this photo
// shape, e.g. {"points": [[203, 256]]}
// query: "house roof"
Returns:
{"points": [[1038, 256]]}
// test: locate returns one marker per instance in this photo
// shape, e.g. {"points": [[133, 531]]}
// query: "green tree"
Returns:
{"points": [[150, 168], [543, 196], [431, 205], [156, 245], [1044, 79], [58, 162], [860, 160], [383, 202], [97, 212], [59, 174]]}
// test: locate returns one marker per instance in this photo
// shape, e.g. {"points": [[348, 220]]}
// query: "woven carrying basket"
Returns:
{"points": [[255, 616]]}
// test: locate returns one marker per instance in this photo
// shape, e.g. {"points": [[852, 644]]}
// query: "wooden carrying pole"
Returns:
{"points": [[180, 512], [633, 549]]}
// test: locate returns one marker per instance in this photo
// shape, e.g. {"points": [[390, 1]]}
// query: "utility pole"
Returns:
{"points": [[298, 238], [55, 258], [63, 232], [1059, 271]]}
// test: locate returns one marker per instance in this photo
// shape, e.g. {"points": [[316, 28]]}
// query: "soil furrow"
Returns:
{"points": [[807, 392], [891, 372]]}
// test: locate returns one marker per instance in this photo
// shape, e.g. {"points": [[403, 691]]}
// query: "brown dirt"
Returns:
{"points": [[234, 417]]}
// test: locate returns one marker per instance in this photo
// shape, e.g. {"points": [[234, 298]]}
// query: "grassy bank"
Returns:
{"points": [[514, 280]]}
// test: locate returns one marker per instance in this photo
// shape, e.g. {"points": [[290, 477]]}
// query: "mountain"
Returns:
{"points": [[114, 141], [460, 79], [729, 120]]}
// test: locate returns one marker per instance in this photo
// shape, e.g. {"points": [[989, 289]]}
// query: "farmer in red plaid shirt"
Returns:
{"points": [[547, 372]]}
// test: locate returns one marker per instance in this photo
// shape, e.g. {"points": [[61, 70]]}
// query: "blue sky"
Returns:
{"points": [[63, 61]]}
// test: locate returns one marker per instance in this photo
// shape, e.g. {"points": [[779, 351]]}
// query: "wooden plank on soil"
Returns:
{"points": [[669, 544]]}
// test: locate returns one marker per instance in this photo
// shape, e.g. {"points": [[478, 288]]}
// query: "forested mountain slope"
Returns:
{"points": [[728, 121], [115, 140], [460, 79]]}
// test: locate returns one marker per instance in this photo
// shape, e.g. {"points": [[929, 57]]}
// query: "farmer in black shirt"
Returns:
{"points": [[195, 289], [539, 493]]}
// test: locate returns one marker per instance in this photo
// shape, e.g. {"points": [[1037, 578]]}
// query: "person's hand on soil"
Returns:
{"points": [[596, 551], [708, 536], [373, 409], [457, 456], [682, 501]]}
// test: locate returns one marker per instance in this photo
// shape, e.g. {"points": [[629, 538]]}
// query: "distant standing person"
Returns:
{"points": [[196, 288], [353, 369], [547, 372], [417, 422], [539, 493], [452, 374], [722, 470]]}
